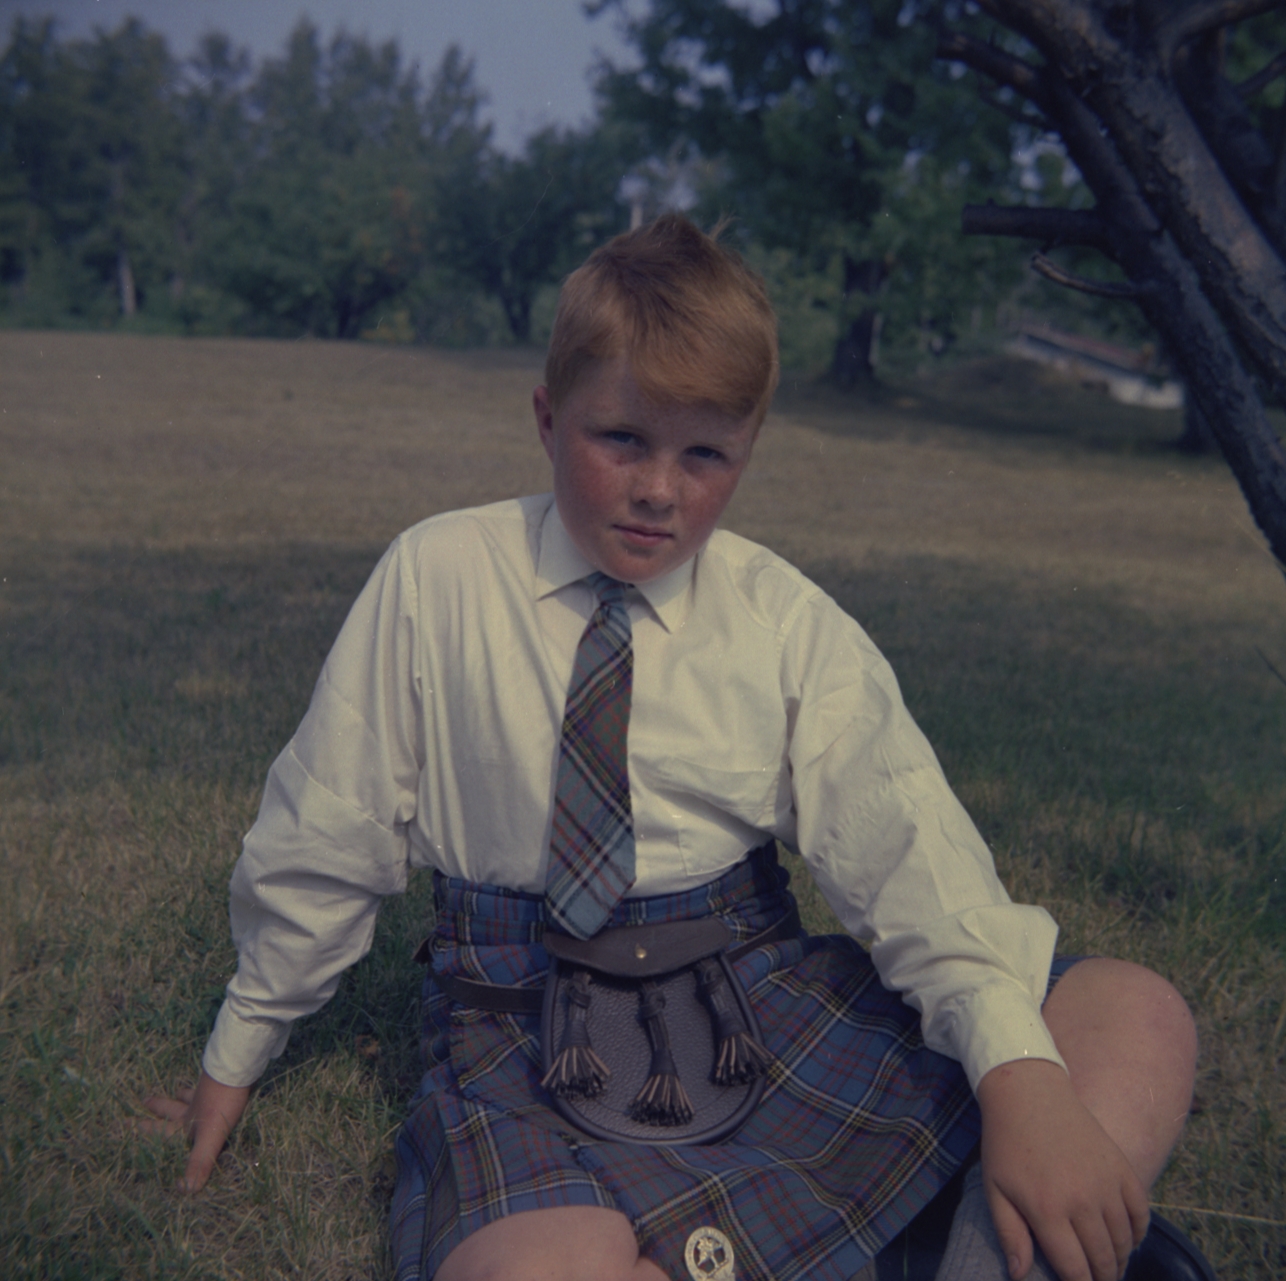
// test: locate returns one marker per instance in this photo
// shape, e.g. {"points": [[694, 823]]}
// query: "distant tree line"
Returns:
{"points": [[306, 195], [333, 190]]}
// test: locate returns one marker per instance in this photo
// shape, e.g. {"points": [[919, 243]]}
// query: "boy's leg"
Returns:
{"points": [[1130, 1048], [1131, 1051], [571, 1243]]}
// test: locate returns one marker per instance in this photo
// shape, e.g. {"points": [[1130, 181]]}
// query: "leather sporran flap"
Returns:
{"points": [[674, 1058]]}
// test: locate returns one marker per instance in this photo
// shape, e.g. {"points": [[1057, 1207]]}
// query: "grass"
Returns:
{"points": [[1082, 620]]}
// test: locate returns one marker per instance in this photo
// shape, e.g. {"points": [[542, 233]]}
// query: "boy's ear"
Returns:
{"points": [[544, 408]]}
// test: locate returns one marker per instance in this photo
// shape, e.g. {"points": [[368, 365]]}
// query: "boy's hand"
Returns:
{"points": [[1050, 1170], [206, 1115]]}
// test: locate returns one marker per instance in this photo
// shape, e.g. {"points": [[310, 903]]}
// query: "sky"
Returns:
{"points": [[533, 56]]}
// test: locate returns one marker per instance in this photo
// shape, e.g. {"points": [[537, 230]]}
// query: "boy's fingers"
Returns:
{"points": [[209, 1135], [154, 1125], [1015, 1239], [1102, 1253], [172, 1112], [1136, 1204], [1121, 1228], [197, 1173]]}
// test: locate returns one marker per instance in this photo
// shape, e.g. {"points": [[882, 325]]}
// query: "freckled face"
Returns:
{"points": [[640, 485]]}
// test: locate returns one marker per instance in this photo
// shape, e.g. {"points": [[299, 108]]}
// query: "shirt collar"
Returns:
{"points": [[560, 562]]}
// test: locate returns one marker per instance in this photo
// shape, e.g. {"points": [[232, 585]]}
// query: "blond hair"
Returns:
{"points": [[693, 319]]}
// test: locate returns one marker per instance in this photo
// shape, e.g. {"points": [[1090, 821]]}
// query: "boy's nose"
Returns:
{"points": [[655, 485]]}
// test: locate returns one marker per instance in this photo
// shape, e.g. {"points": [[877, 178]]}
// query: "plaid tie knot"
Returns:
{"points": [[591, 843]]}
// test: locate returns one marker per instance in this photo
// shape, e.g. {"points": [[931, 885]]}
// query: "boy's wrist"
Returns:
{"points": [[239, 1050], [1000, 1024], [1026, 1077]]}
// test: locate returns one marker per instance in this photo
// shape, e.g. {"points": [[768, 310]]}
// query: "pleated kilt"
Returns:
{"points": [[860, 1124]]}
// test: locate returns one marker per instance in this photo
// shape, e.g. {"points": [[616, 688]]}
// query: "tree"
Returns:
{"points": [[92, 155], [837, 137], [217, 138], [331, 217], [512, 224], [1188, 169]]}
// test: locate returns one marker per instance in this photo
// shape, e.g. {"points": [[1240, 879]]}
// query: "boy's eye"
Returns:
{"points": [[706, 452], [622, 437]]}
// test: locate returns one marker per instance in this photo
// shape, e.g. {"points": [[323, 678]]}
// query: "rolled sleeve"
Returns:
{"points": [[330, 839], [900, 861]]}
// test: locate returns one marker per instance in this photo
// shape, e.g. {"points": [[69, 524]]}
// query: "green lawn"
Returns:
{"points": [[1082, 621]]}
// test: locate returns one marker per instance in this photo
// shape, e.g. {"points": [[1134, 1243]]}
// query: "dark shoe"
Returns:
{"points": [[1167, 1255]]}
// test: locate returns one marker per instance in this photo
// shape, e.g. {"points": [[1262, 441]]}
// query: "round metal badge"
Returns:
{"points": [[709, 1256]]}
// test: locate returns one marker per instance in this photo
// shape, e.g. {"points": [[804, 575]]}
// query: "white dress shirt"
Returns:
{"points": [[760, 709]]}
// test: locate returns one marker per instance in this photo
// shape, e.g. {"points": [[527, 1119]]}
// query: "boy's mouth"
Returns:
{"points": [[643, 536]]}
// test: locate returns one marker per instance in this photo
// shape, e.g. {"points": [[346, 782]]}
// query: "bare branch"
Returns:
{"points": [[1159, 141], [1269, 665], [1206, 15], [1048, 268], [1016, 114], [1277, 181], [1262, 79], [955, 46], [1120, 202], [1049, 226], [1123, 124], [1223, 117]]}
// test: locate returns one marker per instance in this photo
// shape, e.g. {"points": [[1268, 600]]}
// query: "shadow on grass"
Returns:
{"points": [[997, 396], [1036, 699], [1136, 760], [200, 663], [1152, 745]]}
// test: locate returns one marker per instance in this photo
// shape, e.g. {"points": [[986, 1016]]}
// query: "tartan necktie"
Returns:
{"points": [[591, 844]]}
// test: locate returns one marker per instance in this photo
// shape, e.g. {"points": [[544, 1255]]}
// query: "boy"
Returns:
{"points": [[472, 718]]}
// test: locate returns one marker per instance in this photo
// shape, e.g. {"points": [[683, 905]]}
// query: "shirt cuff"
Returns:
{"points": [[239, 1050], [1001, 1024]]}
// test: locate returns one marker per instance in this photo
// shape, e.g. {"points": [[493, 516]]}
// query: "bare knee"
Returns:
{"points": [[1130, 1045], [1123, 1011], [569, 1243]]}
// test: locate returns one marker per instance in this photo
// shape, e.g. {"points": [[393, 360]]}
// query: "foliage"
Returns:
{"points": [[321, 193], [91, 167], [514, 224], [838, 137]]}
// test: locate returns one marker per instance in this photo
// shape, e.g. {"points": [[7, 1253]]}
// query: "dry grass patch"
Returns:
{"points": [[1079, 619]]}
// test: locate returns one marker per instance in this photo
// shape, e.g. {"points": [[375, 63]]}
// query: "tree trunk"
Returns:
{"points": [[854, 352], [1197, 437], [1177, 201], [125, 283], [517, 308], [854, 358]]}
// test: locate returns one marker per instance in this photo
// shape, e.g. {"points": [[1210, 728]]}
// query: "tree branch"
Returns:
{"points": [[1004, 68], [1048, 268], [1124, 128], [1016, 114], [1262, 79], [1049, 226], [1203, 16], [1269, 665], [1094, 74], [1120, 202], [1222, 115]]}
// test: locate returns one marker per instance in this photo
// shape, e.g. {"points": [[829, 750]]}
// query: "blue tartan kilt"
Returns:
{"points": [[860, 1125]]}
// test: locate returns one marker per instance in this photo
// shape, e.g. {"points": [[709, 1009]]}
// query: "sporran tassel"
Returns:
{"points": [[662, 1100], [739, 1058], [577, 1071]]}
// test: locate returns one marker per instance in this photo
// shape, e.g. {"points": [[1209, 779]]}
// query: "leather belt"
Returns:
{"points": [[500, 998]]}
